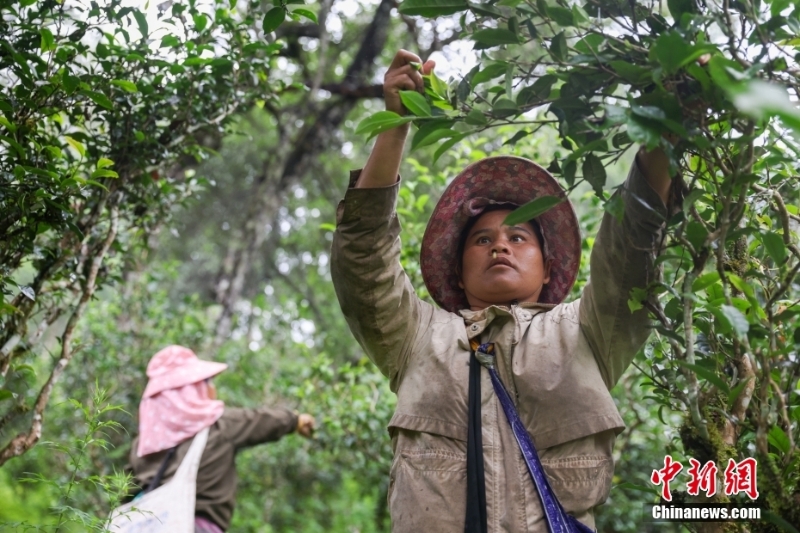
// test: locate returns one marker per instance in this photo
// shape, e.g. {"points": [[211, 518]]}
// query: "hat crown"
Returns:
{"points": [[170, 359]]}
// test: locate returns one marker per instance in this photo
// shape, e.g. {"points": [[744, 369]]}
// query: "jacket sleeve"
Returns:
{"points": [[248, 427], [376, 297], [622, 259]]}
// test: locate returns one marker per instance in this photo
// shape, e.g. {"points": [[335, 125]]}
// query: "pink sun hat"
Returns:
{"points": [[176, 366], [501, 179]]}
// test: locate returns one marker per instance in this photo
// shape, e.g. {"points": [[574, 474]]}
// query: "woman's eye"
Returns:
{"points": [[483, 240], [517, 238]]}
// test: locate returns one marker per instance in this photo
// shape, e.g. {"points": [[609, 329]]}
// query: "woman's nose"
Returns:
{"points": [[500, 245]]}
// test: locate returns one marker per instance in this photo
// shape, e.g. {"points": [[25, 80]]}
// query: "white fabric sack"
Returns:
{"points": [[168, 508]]}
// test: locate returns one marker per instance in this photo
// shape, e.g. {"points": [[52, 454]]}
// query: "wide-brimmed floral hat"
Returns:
{"points": [[502, 179]]}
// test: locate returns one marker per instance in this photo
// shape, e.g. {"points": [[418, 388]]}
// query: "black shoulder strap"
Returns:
{"points": [[161, 469], [476, 485]]}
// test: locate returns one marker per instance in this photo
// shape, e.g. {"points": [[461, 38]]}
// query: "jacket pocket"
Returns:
{"points": [[580, 482], [428, 488]]}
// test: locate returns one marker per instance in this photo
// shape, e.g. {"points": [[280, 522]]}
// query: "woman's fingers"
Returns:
{"points": [[404, 74], [403, 57]]}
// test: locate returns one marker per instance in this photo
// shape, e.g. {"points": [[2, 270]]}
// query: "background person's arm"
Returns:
{"points": [[249, 427]]}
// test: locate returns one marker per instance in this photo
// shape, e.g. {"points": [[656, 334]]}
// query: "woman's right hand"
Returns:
{"points": [[403, 76], [305, 425]]}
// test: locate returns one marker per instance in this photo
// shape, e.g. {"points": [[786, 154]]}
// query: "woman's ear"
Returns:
{"points": [[547, 264]]}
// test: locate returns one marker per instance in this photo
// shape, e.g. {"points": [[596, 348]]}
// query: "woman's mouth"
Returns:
{"points": [[500, 261]]}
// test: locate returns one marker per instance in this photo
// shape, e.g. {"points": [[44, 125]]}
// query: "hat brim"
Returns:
{"points": [[197, 371], [503, 179]]}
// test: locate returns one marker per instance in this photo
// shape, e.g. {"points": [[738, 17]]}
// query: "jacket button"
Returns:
{"points": [[526, 315], [474, 327]]}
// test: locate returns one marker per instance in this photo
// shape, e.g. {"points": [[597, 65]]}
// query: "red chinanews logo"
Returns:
{"points": [[738, 477]]}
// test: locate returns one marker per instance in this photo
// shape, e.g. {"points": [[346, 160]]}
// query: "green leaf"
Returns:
{"points": [[15, 145], [475, 118], [704, 281], [432, 8], [433, 137], [200, 22], [641, 132], [594, 172], [532, 209], [561, 15], [76, 144], [141, 21], [672, 51], [54, 151], [416, 103], [630, 72], [678, 7], [486, 9], [48, 41], [104, 162], [504, 107], [539, 91], [637, 299], [169, 41], [435, 86], [708, 375], [431, 132], [273, 18], [380, 121], [99, 99], [516, 137], [648, 111], [777, 438], [735, 392], [616, 114], [104, 173], [737, 320], [489, 72], [743, 287], [696, 234], [773, 518], [445, 146], [126, 85], [8, 125], [692, 197], [569, 171], [558, 47], [774, 245], [615, 206], [760, 99], [495, 37], [307, 13]]}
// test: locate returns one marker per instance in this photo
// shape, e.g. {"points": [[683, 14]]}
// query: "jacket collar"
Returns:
{"points": [[489, 313]]}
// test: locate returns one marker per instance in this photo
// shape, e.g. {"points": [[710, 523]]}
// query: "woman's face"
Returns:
{"points": [[212, 390], [502, 263]]}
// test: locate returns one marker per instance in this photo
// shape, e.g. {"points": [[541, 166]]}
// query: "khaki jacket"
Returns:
{"points": [[557, 362]]}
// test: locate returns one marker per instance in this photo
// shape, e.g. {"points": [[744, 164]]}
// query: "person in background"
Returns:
{"points": [[180, 401]]}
